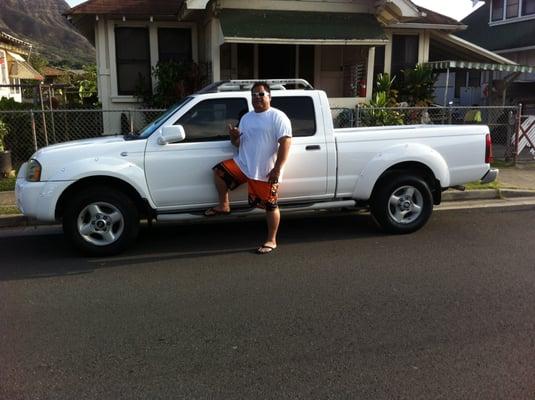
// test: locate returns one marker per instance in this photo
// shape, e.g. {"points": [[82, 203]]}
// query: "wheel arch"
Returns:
{"points": [[102, 181], [414, 168]]}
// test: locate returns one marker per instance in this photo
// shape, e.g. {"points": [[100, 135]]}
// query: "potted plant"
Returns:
{"points": [[5, 156]]}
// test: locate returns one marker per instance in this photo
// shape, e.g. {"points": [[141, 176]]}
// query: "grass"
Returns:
{"points": [[9, 210], [478, 186], [7, 184]]}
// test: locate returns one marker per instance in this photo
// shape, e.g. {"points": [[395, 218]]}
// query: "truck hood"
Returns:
{"points": [[59, 156]]}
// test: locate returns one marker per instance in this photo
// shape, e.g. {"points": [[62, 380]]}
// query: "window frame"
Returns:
{"points": [[146, 62], [153, 27], [520, 16], [314, 116], [224, 132]]}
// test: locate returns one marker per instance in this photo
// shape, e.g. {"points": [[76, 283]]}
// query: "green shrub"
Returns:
{"points": [[3, 133], [377, 113]]}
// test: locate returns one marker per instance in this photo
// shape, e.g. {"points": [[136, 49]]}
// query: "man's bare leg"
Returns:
{"points": [[222, 193], [273, 220]]}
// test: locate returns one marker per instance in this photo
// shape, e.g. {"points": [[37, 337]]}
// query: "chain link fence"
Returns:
{"points": [[33, 129], [503, 122]]}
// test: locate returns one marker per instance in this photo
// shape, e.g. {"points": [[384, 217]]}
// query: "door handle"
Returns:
{"points": [[313, 147]]}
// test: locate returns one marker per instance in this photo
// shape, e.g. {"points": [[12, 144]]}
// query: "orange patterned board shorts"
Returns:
{"points": [[261, 194]]}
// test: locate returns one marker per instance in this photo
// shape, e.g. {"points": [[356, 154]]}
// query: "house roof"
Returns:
{"points": [[6, 38], [435, 18], [299, 27], [449, 46], [127, 7], [51, 71], [512, 35]]}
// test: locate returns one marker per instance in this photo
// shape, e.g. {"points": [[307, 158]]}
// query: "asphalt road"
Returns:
{"points": [[340, 311]]}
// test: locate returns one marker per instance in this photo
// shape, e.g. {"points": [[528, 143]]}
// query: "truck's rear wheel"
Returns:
{"points": [[402, 203], [101, 221]]}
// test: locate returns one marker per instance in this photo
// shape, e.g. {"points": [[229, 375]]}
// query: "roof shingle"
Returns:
{"points": [[127, 7]]}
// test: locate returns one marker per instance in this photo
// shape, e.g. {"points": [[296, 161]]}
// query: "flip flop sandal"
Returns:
{"points": [[212, 212], [265, 249]]}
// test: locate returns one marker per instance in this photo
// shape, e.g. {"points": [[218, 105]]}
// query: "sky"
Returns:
{"points": [[457, 9]]}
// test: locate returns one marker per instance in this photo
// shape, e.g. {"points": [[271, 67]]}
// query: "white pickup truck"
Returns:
{"points": [[101, 188]]}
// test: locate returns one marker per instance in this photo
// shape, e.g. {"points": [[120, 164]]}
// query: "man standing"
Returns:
{"points": [[263, 140]]}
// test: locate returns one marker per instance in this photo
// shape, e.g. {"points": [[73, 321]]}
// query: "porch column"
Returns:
{"points": [[423, 47], [369, 80], [388, 54], [317, 66], [215, 42]]}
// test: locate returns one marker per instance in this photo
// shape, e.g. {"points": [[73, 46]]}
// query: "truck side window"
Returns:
{"points": [[300, 110], [209, 119]]}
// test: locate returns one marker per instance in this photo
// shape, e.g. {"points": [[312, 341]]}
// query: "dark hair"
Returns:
{"points": [[265, 84]]}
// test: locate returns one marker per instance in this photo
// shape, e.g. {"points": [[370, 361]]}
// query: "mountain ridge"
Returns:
{"points": [[41, 22]]}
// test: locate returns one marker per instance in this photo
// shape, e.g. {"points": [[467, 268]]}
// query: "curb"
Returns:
{"points": [[19, 220]]}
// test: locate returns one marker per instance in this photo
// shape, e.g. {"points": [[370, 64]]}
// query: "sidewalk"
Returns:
{"points": [[514, 182]]}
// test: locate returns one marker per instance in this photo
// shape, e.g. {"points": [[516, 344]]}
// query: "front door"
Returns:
{"points": [[179, 175]]}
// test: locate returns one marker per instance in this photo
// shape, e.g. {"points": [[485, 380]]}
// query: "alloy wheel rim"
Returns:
{"points": [[100, 223], [405, 204]]}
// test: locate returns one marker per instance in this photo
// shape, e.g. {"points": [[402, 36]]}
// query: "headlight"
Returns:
{"points": [[33, 171]]}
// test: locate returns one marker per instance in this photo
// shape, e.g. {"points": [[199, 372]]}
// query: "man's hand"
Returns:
{"points": [[234, 134], [273, 176]]}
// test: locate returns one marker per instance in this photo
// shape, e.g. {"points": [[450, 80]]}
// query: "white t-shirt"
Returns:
{"points": [[259, 142]]}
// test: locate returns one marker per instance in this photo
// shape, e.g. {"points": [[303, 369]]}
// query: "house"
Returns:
{"points": [[337, 45], [14, 67], [507, 27]]}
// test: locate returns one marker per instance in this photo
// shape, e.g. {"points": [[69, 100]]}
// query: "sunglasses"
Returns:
{"points": [[260, 94]]}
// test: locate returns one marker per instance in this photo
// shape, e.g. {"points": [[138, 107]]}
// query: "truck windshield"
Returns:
{"points": [[150, 128]]}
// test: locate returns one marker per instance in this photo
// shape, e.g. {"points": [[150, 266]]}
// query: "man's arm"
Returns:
{"points": [[282, 155], [234, 134]]}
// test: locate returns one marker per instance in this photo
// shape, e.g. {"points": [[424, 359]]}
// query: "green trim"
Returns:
{"points": [[294, 25]]}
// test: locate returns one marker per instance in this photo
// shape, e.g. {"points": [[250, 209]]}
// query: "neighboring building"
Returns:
{"points": [[507, 27], [337, 45], [14, 67]]}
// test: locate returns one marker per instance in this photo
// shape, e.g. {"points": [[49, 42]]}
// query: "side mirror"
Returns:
{"points": [[171, 134]]}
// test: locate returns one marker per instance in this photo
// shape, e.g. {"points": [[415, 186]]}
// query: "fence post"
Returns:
{"points": [[52, 114], [517, 131], [34, 131], [357, 118], [43, 113], [131, 121]]}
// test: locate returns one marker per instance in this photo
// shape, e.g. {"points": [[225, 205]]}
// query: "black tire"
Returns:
{"points": [[101, 221], [402, 202]]}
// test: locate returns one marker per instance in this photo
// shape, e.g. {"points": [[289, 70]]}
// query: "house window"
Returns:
{"points": [[133, 60], [174, 44], [528, 7], [511, 10], [497, 10]]}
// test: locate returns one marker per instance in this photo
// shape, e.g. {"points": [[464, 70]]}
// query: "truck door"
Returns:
{"points": [[179, 175], [305, 173]]}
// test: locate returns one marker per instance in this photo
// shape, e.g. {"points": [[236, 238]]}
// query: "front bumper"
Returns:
{"points": [[490, 176], [38, 199]]}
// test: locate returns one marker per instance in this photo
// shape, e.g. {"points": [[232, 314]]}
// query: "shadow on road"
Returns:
{"points": [[46, 255]]}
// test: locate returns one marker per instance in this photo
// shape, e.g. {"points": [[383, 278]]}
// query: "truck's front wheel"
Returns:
{"points": [[402, 203], [101, 221]]}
